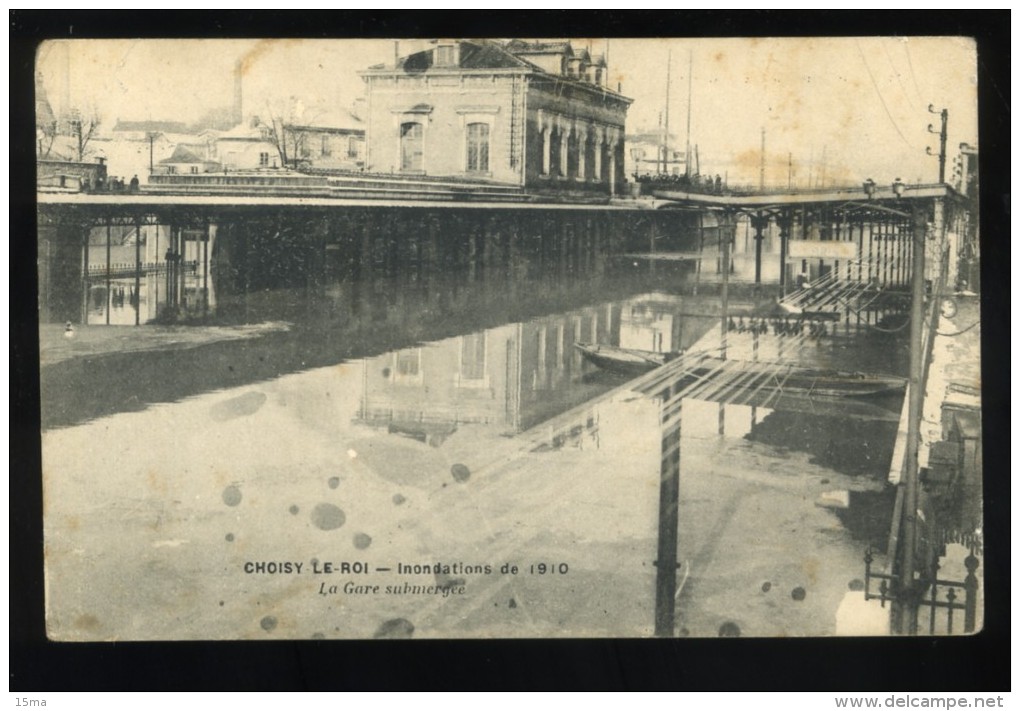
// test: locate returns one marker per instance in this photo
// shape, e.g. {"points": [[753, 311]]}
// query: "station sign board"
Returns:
{"points": [[817, 249]]}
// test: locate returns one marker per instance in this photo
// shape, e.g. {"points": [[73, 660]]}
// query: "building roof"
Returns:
{"points": [[330, 119], [473, 55], [582, 56], [185, 154], [519, 46], [490, 56], [243, 131], [43, 111], [484, 54], [160, 126], [654, 137]]}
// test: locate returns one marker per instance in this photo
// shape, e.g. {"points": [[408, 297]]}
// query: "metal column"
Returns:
{"points": [[669, 503], [138, 271], [909, 594], [109, 296]]}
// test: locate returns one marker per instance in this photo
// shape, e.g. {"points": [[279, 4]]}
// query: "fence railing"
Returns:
{"points": [[939, 595], [122, 269]]}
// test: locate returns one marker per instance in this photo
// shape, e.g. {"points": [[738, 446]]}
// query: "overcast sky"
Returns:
{"points": [[860, 103]]}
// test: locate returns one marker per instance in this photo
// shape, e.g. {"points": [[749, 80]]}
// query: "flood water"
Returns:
{"points": [[450, 427]]}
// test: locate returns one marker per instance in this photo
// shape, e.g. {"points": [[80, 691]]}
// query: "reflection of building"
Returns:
{"points": [[519, 375], [526, 113], [646, 328], [513, 376], [655, 323], [454, 381]]}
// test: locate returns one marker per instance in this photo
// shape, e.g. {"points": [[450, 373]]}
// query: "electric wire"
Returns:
{"points": [[880, 97]]}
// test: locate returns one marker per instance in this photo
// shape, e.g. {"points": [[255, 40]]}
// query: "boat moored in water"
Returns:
{"points": [[626, 361], [769, 376], [812, 382]]}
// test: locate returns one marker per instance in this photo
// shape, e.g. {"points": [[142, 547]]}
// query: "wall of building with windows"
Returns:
{"points": [[453, 125], [575, 136], [248, 154], [520, 113], [337, 149]]}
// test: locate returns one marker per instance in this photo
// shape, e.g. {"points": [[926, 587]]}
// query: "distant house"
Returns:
{"points": [[136, 148], [525, 113], [188, 159], [327, 140], [247, 146], [141, 130], [69, 175], [649, 154]]}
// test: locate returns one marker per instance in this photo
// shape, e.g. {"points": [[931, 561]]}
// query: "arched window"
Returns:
{"points": [[478, 147], [412, 145]]}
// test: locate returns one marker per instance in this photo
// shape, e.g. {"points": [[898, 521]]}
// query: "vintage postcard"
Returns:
{"points": [[504, 338]]}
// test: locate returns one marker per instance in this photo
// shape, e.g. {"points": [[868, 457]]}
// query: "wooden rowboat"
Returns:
{"points": [[768, 376], [625, 361]]}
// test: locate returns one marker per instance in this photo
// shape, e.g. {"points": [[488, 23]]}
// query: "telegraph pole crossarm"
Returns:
{"points": [[942, 133]]}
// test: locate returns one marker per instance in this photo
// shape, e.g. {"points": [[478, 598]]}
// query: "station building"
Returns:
{"points": [[539, 115]]}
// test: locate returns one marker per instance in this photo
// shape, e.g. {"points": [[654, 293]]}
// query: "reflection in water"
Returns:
{"points": [[515, 376], [132, 281], [421, 417]]}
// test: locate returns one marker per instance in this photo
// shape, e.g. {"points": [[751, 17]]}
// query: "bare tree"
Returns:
{"points": [[273, 128], [280, 124], [298, 141], [83, 127], [45, 134]]}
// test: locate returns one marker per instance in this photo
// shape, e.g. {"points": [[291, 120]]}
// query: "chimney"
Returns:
{"points": [[238, 108], [65, 82]]}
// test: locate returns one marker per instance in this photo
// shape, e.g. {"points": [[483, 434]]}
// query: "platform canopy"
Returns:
{"points": [[894, 198]]}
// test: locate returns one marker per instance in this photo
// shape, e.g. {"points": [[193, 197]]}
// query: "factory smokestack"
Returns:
{"points": [[65, 82], [238, 107]]}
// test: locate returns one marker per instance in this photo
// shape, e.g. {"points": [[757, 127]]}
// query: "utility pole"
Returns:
{"points": [[690, 76], [725, 233], [665, 130], [761, 170], [659, 158], [151, 135], [944, 115], [77, 132], [789, 171], [908, 593]]}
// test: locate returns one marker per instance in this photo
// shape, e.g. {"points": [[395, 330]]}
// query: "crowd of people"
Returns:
{"points": [[113, 184], [791, 326], [693, 183]]}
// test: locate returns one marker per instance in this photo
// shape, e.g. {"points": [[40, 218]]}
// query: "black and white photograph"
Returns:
{"points": [[509, 338]]}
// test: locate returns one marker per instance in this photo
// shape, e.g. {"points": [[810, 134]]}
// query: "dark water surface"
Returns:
{"points": [[455, 418]]}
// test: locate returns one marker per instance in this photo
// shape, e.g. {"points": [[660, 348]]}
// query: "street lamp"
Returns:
{"points": [[897, 188], [869, 188], [151, 135]]}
